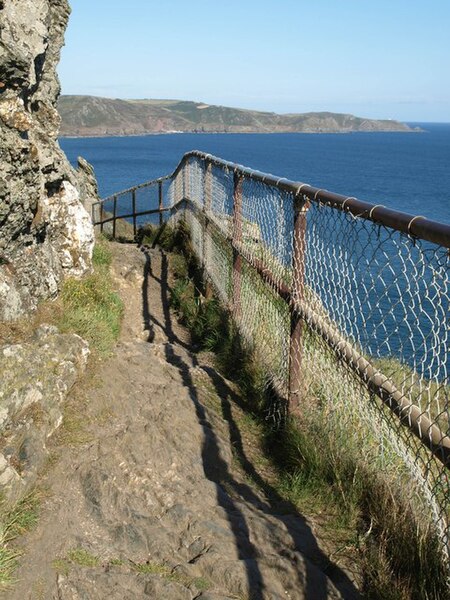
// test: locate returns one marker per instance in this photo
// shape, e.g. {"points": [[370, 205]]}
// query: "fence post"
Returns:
{"points": [[186, 180], [236, 241], [207, 198], [114, 217], [102, 216], [160, 203], [301, 206], [133, 210]]}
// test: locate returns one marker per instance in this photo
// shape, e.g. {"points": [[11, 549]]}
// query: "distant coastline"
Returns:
{"points": [[156, 133], [92, 116]]}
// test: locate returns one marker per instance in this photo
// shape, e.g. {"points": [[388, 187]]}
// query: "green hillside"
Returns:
{"points": [[94, 116]]}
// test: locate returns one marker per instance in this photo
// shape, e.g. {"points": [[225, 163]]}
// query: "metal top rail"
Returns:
{"points": [[414, 225]]}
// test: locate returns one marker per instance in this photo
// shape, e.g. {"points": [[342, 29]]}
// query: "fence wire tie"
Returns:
{"points": [[411, 222], [299, 189], [373, 208], [317, 193], [346, 200]]}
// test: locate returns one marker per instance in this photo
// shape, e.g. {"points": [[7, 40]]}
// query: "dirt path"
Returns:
{"points": [[152, 504]]}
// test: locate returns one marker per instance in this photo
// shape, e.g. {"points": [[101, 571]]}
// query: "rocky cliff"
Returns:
{"points": [[45, 232]]}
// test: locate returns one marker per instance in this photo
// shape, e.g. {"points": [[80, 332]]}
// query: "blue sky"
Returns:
{"points": [[373, 58]]}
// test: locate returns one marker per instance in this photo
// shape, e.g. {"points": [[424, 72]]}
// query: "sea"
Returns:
{"points": [[409, 172], [406, 171]]}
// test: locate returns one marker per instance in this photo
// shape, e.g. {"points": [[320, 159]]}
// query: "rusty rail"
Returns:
{"points": [[414, 225], [419, 227]]}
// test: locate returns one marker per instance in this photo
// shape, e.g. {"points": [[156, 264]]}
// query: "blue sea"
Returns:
{"points": [[409, 172], [406, 171]]}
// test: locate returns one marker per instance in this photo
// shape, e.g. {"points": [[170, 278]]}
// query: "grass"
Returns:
{"points": [[153, 568], [319, 459], [92, 309], [90, 306], [15, 521], [84, 558], [76, 556]]}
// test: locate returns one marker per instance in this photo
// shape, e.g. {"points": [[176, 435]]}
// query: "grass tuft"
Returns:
{"points": [[61, 565], [90, 306], [14, 521], [152, 568], [82, 557]]}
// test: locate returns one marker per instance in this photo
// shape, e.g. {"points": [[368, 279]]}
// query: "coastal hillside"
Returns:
{"points": [[94, 116]]}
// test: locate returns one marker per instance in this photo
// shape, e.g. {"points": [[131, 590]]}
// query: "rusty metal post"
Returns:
{"points": [[207, 183], [160, 203], [102, 216], [186, 180], [237, 239], [114, 217], [301, 206], [207, 196], [133, 206]]}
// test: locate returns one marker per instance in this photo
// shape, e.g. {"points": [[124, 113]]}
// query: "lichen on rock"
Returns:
{"points": [[46, 232], [35, 377]]}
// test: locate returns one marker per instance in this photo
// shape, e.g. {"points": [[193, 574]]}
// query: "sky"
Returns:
{"points": [[373, 58]]}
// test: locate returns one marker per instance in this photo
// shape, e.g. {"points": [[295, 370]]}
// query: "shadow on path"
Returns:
{"points": [[302, 537], [148, 318], [217, 470]]}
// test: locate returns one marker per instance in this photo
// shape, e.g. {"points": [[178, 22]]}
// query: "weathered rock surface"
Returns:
{"points": [[88, 184], [155, 505], [45, 231], [35, 379]]}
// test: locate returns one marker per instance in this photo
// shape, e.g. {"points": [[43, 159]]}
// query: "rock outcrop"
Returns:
{"points": [[35, 377], [46, 232]]}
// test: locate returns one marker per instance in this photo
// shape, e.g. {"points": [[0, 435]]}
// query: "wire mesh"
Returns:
{"points": [[348, 316], [363, 286]]}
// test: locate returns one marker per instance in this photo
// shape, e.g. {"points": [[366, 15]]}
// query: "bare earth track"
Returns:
{"points": [[152, 503]]}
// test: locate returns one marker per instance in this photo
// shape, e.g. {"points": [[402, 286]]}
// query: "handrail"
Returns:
{"points": [[409, 414], [414, 225]]}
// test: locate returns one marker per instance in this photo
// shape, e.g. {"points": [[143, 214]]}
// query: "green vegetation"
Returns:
{"points": [[84, 558], [76, 556], [14, 521], [90, 115], [319, 457], [87, 306], [152, 568], [90, 307]]}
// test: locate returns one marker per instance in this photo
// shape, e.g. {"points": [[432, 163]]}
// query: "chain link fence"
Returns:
{"points": [[345, 304]]}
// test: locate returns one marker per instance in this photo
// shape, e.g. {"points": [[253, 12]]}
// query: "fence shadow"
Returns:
{"points": [[217, 470]]}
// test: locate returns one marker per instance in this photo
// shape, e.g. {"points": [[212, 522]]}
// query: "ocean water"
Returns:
{"points": [[406, 171]]}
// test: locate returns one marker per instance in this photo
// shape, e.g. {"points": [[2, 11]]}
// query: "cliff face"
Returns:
{"points": [[45, 233]]}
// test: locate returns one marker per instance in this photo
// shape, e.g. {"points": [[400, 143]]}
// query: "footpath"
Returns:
{"points": [[156, 501]]}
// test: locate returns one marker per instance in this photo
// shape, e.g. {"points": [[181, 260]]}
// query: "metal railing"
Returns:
{"points": [[346, 303]]}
